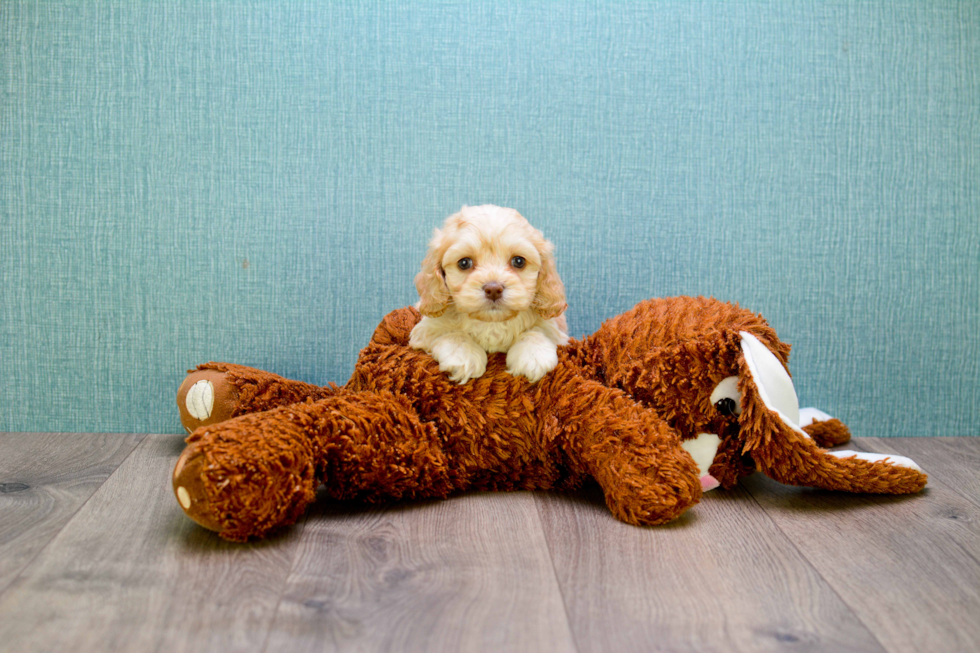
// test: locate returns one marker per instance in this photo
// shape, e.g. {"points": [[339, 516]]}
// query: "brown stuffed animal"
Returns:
{"points": [[673, 397]]}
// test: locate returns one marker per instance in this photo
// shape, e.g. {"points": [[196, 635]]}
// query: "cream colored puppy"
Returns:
{"points": [[489, 284]]}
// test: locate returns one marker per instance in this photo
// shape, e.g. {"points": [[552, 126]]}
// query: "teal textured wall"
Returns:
{"points": [[255, 182]]}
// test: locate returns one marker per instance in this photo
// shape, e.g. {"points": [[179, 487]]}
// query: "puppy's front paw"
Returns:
{"points": [[461, 360], [532, 358]]}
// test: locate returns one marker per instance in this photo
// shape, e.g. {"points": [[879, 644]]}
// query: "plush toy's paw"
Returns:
{"points": [[650, 483], [532, 357], [462, 360], [206, 397], [653, 496]]}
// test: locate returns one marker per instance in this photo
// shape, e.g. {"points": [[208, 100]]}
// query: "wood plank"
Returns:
{"points": [[131, 572], [44, 480], [720, 578], [807, 570], [469, 573], [953, 461], [906, 565]]}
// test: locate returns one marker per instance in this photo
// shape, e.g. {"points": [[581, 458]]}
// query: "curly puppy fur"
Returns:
{"points": [[489, 284]]}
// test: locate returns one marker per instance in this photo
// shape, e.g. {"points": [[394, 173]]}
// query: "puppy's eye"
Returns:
{"points": [[464, 263], [518, 262]]}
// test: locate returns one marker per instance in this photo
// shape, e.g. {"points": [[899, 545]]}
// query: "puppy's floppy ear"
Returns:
{"points": [[549, 300], [431, 282]]}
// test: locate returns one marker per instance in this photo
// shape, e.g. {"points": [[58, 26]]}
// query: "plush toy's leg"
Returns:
{"points": [[251, 474], [247, 475], [215, 392], [646, 476]]}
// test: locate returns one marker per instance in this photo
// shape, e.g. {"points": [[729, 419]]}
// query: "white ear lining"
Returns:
{"points": [[894, 461], [810, 415], [774, 383]]}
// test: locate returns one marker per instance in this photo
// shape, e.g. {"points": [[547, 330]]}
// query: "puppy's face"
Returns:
{"points": [[491, 264]]}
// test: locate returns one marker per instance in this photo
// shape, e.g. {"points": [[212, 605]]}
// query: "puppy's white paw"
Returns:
{"points": [[532, 358], [461, 360]]}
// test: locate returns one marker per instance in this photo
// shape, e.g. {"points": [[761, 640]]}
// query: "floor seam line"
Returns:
{"points": [[554, 571]]}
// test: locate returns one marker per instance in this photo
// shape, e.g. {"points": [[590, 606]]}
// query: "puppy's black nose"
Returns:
{"points": [[493, 290]]}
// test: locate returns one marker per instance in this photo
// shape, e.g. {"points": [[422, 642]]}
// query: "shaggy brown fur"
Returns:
{"points": [[615, 409]]}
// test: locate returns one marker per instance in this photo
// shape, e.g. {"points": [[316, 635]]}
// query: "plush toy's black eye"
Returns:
{"points": [[726, 406], [518, 262], [464, 263]]}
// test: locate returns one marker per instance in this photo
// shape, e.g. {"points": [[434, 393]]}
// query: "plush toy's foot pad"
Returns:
{"points": [[206, 397], [189, 488]]}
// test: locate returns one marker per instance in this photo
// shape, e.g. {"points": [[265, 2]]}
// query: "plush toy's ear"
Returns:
{"points": [[769, 428], [549, 298], [434, 297]]}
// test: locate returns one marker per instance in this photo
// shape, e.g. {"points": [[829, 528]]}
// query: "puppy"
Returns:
{"points": [[489, 284]]}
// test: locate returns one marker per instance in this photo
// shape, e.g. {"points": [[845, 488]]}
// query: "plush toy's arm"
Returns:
{"points": [[396, 327], [646, 476], [215, 392]]}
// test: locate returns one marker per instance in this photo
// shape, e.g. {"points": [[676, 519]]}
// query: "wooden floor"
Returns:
{"points": [[95, 555]]}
